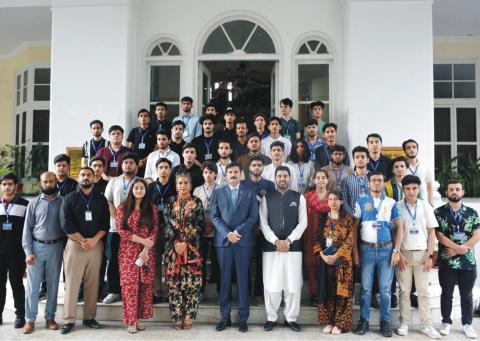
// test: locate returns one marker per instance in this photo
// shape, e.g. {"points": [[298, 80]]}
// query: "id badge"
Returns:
{"points": [[114, 164], [413, 229], [329, 241], [287, 137], [160, 207], [362, 193], [141, 146], [377, 225], [208, 156], [7, 226], [185, 134], [458, 235], [88, 215]]}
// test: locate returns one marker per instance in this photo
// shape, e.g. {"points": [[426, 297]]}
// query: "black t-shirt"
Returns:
{"points": [[67, 186], [143, 140], [239, 150], [91, 147], [207, 148], [159, 194], [177, 148], [195, 174], [100, 186], [164, 125], [11, 236], [383, 164]]}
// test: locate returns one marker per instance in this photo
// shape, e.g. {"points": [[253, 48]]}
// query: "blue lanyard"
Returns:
{"points": [[288, 124], [95, 146], [206, 194], [7, 211], [325, 147], [362, 183], [416, 168], [85, 199], [382, 198], [160, 125], [63, 185], [143, 133], [332, 225], [264, 134], [301, 170], [223, 171], [374, 164], [128, 184], [311, 147], [209, 144], [458, 217], [113, 153], [338, 174], [188, 120], [162, 193], [414, 215]]}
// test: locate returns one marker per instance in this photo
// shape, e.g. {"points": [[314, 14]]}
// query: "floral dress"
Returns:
{"points": [[136, 282], [184, 222]]}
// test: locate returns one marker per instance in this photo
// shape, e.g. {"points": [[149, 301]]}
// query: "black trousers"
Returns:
{"points": [[207, 247], [465, 279], [13, 267], [258, 287], [113, 274]]}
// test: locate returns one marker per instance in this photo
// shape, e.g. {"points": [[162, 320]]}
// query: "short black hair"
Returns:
{"points": [[162, 132], [187, 146], [452, 181], [143, 110], [399, 159], [316, 104], [178, 123], [211, 166], [376, 173], [61, 158], [86, 168], [274, 118], [374, 135], [287, 101], [163, 159], [207, 117], [232, 165], [328, 125], [337, 148], [252, 135], [241, 120], [260, 114], [282, 168], [229, 110], [256, 158], [161, 104], [96, 122], [411, 179], [278, 144], [132, 156], [225, 141], [187, 99], [404, 144], [359, 149], [310, 122], [115, 127], [210, 105], [96, 158], [9, 176]]}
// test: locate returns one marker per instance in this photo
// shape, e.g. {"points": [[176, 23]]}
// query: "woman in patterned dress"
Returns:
{"points": [[317, 207], [137, 221], [336, 289], [183, 262]]}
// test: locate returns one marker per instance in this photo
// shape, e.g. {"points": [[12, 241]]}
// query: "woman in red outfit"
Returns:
{"points": [[137, 224], [317, 207]]}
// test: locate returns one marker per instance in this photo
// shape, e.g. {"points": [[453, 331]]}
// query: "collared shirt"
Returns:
{"points": [[72, 214], [352, 187], [222, 174], [11, 239], [244, 162], [269, 174], [192, 127], [424, 173], [416, 230], [313, 147], [106, 154], [383, 164], [469, 222], [376, 216], [290, 128], [42, 221], [336, 175], [323, 156], [266, 142], [116, 193], [91, 147], [153, 157], [139, 136], [67, 186]]}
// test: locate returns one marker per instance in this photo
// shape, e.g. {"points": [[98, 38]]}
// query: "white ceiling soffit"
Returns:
{"points": [[456, 18]]}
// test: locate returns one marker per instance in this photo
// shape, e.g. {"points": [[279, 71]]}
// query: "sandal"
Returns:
{"points": [[336, 331], [327, 329], [187, 324], [140, 326], [177, 325], [132, 329]]}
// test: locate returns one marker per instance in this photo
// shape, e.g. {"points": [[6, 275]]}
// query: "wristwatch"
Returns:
{"points": [[396, 251]]}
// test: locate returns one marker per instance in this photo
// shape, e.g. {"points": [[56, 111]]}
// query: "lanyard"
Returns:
{"points": [[188, 120], [332, 225], [382, 198], [374, 164], [338, 173], [325, 147], [160, 125], [209, 144], [113, 153], [85, 199], [416, 168], [301, 170], [457, 218], [143, 133], [128, 184], [162, 193], [60, 187], [7, 211], [206, 194], [223, 170], [311, 147], [263, 135], [164, 155], [414, 215], [96, 146], [362, 183], [288, 124]]}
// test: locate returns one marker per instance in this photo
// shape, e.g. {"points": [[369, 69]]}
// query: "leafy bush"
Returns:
{"points": [[463, 168]]}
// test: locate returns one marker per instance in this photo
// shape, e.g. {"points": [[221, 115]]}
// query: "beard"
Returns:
{"points": [[86, 185], [454, 198], [49, 191]]}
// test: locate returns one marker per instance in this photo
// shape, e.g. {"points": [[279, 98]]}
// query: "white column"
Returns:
{"points": [[91, 69], [389, 65]]}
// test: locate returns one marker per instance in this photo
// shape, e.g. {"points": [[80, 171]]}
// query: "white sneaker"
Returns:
{"points": [[111, 298], [445, 329], [469, 331], [403, 329], [431, 332]]}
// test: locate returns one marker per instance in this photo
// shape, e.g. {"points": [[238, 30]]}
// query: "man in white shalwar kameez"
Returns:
{"points": [[283, 219]]}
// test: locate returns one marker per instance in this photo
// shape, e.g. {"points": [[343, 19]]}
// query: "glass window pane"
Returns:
{"points": [[313, 44], [17, 129], [464, 72], [313, 82], [41, 93], [303, 49], [466, 125], [217, 43], [442, 90], [41, 119], [156, 51], [442, 72], [443, 155], [238, 31], [25, 78], [18, 97], [466, 154], [39, 159], [25, 95], [19, 82], [42, 76], [165, 46], [174, 51], [260, 42], [322, 49], [165, 83], [464, 89], [304, 113], [442, 125], [24, 127]]}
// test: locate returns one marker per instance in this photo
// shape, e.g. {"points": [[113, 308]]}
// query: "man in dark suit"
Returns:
{"points": [[234, 211]]}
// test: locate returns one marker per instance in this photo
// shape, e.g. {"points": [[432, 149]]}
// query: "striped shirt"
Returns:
{"points": [[352, 188]]}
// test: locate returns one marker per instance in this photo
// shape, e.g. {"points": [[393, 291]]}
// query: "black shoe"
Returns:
{"points": [[242, 326], [362, 327], [80, 297], [101, 296], [19, 322], [268, 326], [313, 301], [293, 326], [394, 301], [222, 325], [92, 324], [1, 320], [374, 303], [42, 295], [157, 300], [385, 328], [413, 300], [67, 328]]}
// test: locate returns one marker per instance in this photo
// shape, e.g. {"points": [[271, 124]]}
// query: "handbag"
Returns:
{"points": [[330, 251]]}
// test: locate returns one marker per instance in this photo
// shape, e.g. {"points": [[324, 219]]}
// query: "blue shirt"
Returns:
{"points": [[376, 217], [313, 147], [192, 127]]}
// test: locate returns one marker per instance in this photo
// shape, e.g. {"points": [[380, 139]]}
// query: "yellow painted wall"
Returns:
{"points": [[468, 50], [7, 83]]}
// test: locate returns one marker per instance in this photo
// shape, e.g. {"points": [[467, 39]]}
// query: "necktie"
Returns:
{"points": [[234, 196]]}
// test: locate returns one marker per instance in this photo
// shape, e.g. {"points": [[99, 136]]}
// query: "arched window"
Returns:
{"points": [[313, 60], [164, 58], [239, 37]]}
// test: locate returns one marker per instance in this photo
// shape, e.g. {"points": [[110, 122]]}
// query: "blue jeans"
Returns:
{"points": [[48, 264], [376, 259]]}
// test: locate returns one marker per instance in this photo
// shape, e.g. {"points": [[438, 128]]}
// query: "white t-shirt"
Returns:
{"points": [[267, 141], [116, 192], [153, 157], [416, 235], [425, 175], [269, 174]]}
